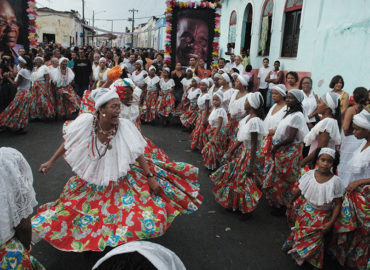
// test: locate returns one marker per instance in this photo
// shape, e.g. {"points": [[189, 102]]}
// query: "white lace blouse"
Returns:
{"points": [[272, 120], [80, 143], [151, 83], [186, 83], [247, 126], [202, 101], [139, 79], [294, 120], [17, 196], [131, 113], [309, 105], [166, 86], [39, 73], [227, 97], [320, 195], [215, 115], [193, 94], [62, 80], [236, 106]]}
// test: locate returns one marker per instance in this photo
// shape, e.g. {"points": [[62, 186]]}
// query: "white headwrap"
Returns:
{"points": [[38, 57], [234, 74], [328, 151], [167, 69], [102, 96], [62, 59], [226, 77], [217, 75], [222, 71], [220, 95], [189, 69], [331, 100], [280, 88], [197, 79], [210, 80], [152, 67], [255, 99], [362, 119], [205, 81], [102, 59], [244, 79], [20, 58], [140, 62], [298, 94]]}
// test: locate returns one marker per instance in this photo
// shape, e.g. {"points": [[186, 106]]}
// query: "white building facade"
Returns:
{"points": [[321, 38]]}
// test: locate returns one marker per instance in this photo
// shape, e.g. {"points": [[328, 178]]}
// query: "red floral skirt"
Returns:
{"points": [[166, 105], [350, 243], [150, 106], [199, 136], [184, 104], [212, 152], [42, 106], [282, 172], [87, 105], [233, 188], [17, 113], [190, 117], [90, 217], [306, 241], [68, 101]]}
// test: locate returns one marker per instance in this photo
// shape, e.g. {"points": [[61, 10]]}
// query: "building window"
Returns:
{"points": [[293, 12], [232, 28], [266, 23]]}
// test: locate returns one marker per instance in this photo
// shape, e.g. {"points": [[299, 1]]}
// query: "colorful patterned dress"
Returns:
{"points": [[18, 199], [149, 107], [213, 151], [114, 206], [16, 115], [184, 103], [283, 170], [67, 100], [233, 188], [190, 117], [199, 136], [312, 210], [42, 106], [166, 100]]}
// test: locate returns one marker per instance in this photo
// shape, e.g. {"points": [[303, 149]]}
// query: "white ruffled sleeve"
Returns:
{"points": [[215, 115], [18, 197], [255, 124], [328, 125], [45, 70]]}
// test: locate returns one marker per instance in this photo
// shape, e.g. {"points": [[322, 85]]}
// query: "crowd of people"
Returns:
{"points": [[259, 134]]}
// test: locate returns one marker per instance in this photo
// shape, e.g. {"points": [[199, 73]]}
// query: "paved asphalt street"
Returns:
{"points": [[211, 238]]}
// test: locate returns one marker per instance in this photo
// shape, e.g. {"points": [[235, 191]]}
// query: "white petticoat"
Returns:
{"points": [[81, 154]]}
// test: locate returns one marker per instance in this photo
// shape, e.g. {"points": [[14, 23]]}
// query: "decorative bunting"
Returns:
{"points": [[32, 15]]}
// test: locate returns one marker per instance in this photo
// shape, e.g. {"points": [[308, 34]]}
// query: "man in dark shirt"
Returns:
{"points": [[82, 70]]}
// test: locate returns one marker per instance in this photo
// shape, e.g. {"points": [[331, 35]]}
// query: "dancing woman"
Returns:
{"points": [[151, 95], [118, 195]]}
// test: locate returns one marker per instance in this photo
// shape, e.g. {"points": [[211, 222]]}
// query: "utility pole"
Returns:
{"points": [[83, 20], [133, 25]]}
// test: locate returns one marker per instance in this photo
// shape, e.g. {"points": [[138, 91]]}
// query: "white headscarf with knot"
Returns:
{"points": [[331, 100], [62, 59], [298, 94], [220, 95], [362, 119], [280, 88], [328, 151], [102, 96], [102, 59], [140, 62], [244, 79], [197, 79], [255, 100], [152, 67], [205, 81]]}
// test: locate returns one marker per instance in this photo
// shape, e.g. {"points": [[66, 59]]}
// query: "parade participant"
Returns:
{"points": [[166, 100], [216, 85], [325, 133], [100, 73], [54, 65], [310, 101], [88, 211], [272, 120], [42, 106], [186, 83], [235, 182], [178, 75], [151, 95], [67, 101], [337, 84], [95, 63], [190, 117], [225, 82], [284, 168], [350, 143], [15, 116], [139, 75], [292, 80], [18, 199], [199, 136], [316, 209], [214, 149], [350, 244]]}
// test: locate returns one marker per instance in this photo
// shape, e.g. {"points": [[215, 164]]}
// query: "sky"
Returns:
{"points": [[110, 9]]}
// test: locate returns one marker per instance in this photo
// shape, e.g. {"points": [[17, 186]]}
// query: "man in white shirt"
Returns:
{"points": [[238, 64], [230, 65], [262, 74]]}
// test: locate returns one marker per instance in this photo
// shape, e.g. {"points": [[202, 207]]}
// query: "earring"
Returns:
{"points": [[104, 115]]}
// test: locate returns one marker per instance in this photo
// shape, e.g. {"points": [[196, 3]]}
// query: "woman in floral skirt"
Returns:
{"points": [[316, 205], [235, 182], [190, 116], [67, 101], [166, 100], [199, 135], [186, 83], [283, 169], [151, 96], [42, 106], [350, 244], [15, 116], [116, 196], [214, 149]]}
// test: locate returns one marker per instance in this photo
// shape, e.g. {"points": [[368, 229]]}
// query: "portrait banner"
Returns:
{"points": [[18, 26], [192, 30]]}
